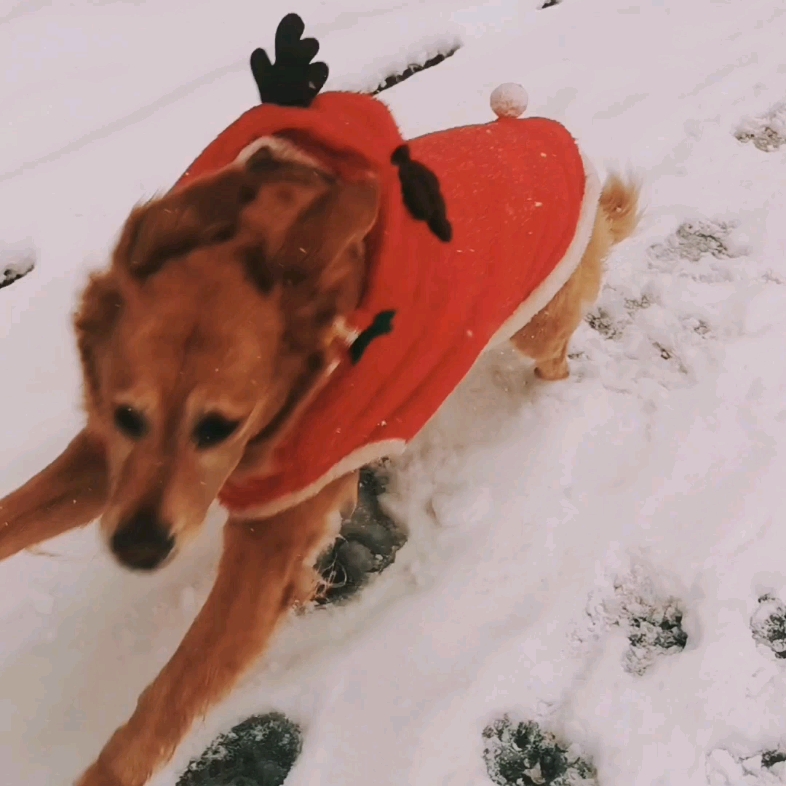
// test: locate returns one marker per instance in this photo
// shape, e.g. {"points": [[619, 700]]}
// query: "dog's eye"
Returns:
{"points": [[213, 429], [130, 422]]}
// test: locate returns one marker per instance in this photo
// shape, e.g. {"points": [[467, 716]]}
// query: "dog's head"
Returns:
{"points": [[212, 323]]}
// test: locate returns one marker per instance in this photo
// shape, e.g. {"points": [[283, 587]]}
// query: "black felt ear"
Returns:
{"points": [[422, 195], [293, 80]]}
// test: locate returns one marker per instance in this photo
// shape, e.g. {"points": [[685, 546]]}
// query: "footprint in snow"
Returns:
{"points": [[260, 751], [523, 754], [366, 545], [653, 630], [660, 315], [767, 768], [768, 625], [644, 323], [694, 239], [651, 620], [768, 132]]}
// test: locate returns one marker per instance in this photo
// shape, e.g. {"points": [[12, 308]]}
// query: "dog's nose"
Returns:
{"points": [[142, 542]]}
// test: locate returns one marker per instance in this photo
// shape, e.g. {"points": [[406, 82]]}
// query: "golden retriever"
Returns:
{"points": [[199, 344]]}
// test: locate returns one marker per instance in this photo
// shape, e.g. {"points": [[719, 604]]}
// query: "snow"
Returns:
{"points": [[16, 260], [547, 521]]}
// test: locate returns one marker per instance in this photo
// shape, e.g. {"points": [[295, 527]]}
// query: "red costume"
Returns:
{"points": [[521, 201]]}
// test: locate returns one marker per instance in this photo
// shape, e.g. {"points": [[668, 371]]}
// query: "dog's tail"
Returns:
{"points": [[619, 202]]}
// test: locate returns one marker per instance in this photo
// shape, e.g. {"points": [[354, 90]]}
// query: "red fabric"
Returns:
{"points": [[514, 191]]}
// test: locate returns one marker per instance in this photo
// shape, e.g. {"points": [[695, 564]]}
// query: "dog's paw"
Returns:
{"points": [[523, 753], [260, 751], [552, 370], [367, 544]]}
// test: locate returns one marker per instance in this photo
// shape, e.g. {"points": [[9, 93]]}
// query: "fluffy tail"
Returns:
{"points": [[619, 202]]}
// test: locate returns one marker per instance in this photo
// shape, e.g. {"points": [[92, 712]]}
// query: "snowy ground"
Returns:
{"points": [[566, 540]]}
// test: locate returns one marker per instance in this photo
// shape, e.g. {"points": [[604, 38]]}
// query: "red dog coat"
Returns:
{"points": [[521, 201]]}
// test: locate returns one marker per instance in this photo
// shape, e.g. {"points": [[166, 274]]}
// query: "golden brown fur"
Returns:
{"points": [[220, 303], [545, 339]]}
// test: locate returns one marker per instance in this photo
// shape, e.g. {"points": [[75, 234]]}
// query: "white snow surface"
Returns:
{"points": [[16, 260], [540, 515]]}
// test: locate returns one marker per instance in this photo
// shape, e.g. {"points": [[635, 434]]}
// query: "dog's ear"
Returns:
{"points": [[319, 272], [94, 321], [204, 213], [320, 265]]}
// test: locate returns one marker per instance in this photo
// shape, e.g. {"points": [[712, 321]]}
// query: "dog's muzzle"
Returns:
{"points": [[142, 542]]}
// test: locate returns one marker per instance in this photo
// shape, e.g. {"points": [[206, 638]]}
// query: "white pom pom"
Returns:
{"points": [[509, 100]]}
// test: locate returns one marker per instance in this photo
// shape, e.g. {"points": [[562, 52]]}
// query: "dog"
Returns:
{"points": [[239, 312]]}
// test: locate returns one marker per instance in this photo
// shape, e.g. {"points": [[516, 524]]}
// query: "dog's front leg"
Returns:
{"points": [[69, 493], [264, 569]]}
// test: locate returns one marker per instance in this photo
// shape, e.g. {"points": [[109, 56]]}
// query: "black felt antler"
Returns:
{"points": [[422, 194], [293, 80]]}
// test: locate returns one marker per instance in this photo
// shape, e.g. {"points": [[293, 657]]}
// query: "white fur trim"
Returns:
{"points": [[546, 291], [356, 460], [280, 149]]}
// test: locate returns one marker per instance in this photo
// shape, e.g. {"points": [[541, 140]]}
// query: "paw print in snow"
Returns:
{"points": [[768, 133], [762, 769], [652, 630], [626, 320], [770, 758], [367, 543], [768, 625], [658, 315], [694, 239], [260, 751], [652, 621], [601, 321], [522, 754], [612, 321]]}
